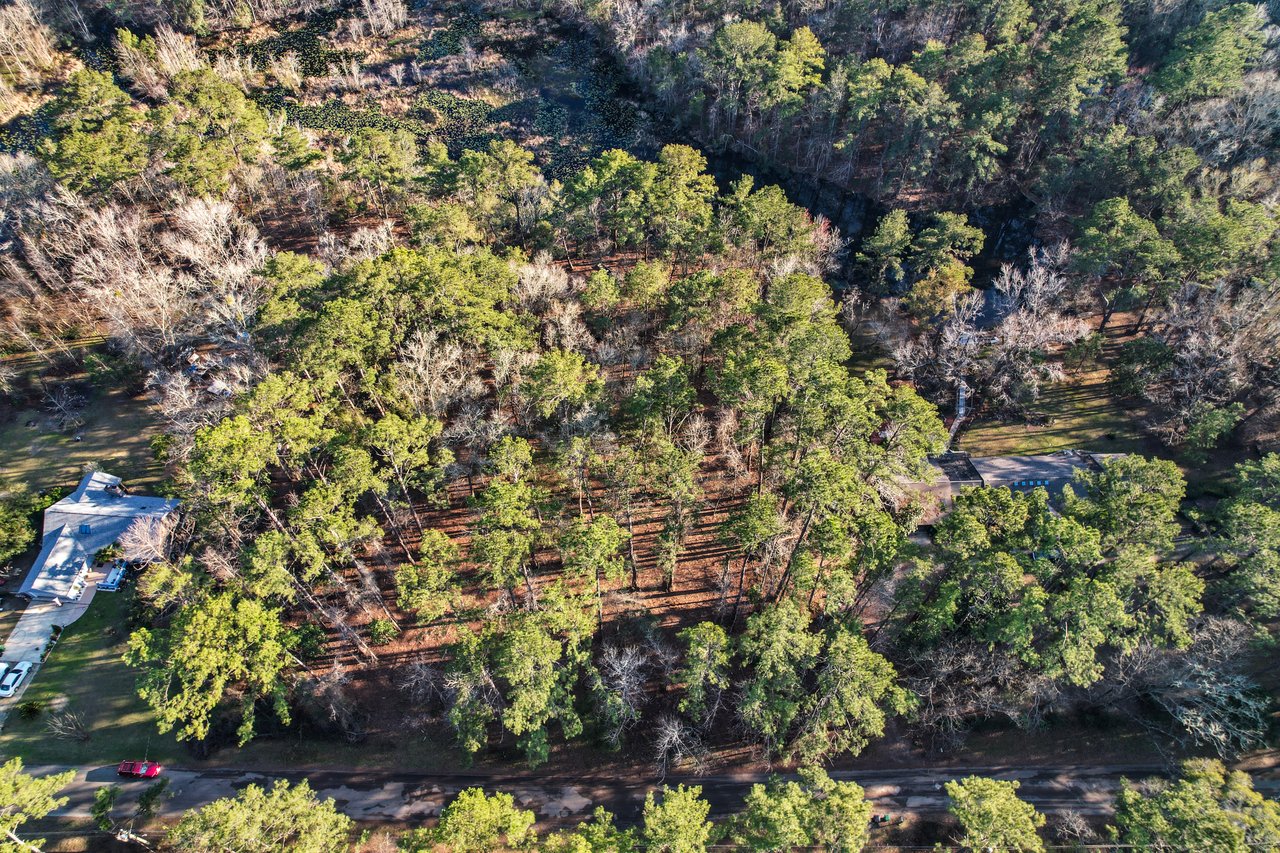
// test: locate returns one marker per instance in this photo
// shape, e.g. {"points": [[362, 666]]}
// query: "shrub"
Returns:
{"points": [[307, 641], [32, 708], [17, 524], [1084, 351], [382, 631]]}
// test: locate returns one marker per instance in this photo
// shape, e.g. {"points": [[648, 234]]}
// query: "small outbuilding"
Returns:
{"points": [[94, 516]]}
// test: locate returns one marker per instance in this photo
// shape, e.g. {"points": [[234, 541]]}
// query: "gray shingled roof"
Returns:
{"points": [[92, 517], [1031, 470]]}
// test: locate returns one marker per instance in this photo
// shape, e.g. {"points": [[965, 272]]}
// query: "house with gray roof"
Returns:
{"points": [[956, 471], [1051, 471], [94, 516]]}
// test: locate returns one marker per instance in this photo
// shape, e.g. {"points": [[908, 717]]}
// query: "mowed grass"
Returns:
{"points": [[116, 436], [85, 674], [1080, 413]]}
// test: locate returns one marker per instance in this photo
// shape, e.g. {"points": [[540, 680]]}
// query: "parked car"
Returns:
{"points": [[114, 578], [9, 683], [4, 667], [139, 769]]}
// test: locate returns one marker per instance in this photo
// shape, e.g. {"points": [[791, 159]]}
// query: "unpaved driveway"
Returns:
{"points": [[410, 798]]}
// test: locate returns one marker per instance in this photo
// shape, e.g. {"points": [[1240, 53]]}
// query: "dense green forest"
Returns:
{"points": [[517, 400]]}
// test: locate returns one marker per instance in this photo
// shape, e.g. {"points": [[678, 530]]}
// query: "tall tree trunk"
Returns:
{"points": [[737, 600], [408, 499], [310, 602], [791, 558], [395, 527], [631, 547]]}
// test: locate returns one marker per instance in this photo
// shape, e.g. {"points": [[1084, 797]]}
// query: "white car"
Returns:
{"points": [[14, 678], [4, 667]]}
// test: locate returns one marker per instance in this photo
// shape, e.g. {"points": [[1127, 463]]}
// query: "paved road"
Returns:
{"points": [[382, 796]]}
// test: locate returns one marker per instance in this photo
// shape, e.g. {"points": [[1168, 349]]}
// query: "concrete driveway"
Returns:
{"points": [[30, 636]]}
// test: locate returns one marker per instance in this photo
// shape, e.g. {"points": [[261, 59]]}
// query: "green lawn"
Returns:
{"points": [[85, 672], [116, 436], [1082, 414]]}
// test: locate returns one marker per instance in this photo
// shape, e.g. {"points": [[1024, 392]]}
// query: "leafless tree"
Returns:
{"points": [[469, 55], [937, 357], [475, 427], [620, 691], [665, 656], [1073, 828], [727, 443], [1211, 341], [147, 538], [437, 373], [1224, 710], [361, 245], [960, 682], [694, 434], [237, 69], [563, 327], [1006, 363], [676, 744], [287, 70], [422, 682], [224, 253], [472, 689], [509, 366], [326, 700], [348, 76], [625, 343], [152, 283], [66, 405], [1234, 129], [855, 308], [68, 17], [372, 593], [222, 563], [1036, 316], [151, 71], [8, 378], [1211, 701], [829, 246], [385, 16], [27, 46], [540, 283]]}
